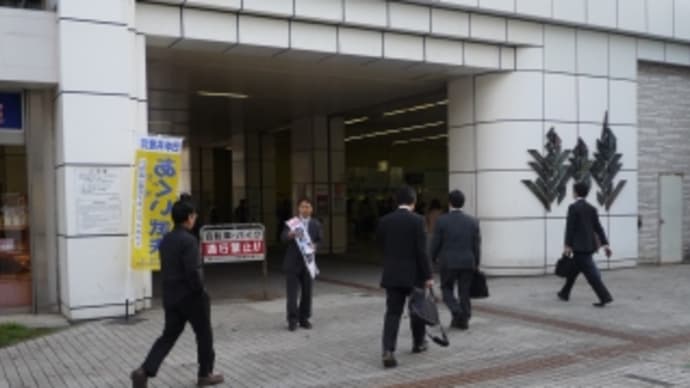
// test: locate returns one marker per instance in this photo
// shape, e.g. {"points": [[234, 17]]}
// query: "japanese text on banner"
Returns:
{"points": [[156, 180]]}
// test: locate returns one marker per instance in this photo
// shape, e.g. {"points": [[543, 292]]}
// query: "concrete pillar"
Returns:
{"points": [[320, 176], [100, 106], [40, 134]]}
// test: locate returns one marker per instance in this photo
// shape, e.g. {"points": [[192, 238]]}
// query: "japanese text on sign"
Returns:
{"points": [[156, 180], [233, 243]]}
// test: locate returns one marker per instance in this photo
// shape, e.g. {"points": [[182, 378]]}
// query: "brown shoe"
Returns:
{"points": [[139, 379], [212, 379]]}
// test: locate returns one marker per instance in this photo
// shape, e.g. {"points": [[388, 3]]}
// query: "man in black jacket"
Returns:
{"points": [[402, 238], [456, 244], [296, 272], [184, 300], [584, 236]]}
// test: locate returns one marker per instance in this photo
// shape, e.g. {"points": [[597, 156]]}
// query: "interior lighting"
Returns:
{"points": [[414, 108], [395, 131], [233, 95], [420, 139], [356, 120]]}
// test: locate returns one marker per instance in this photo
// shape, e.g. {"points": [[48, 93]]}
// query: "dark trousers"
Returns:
{"points": [[299, 281], [585, 265], [460, 307], [196, 310], [395, 304]]}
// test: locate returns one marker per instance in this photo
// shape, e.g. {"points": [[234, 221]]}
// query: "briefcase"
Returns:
{"points": [[565, 266], [423, 306], [479, 289]]}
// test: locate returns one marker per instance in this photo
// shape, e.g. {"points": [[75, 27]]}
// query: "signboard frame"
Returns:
{"points": [[223, 228]]}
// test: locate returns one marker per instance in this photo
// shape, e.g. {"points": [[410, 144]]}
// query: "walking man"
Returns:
{"points": [[456, 244], [184, 300], [583, 237], [406, 265], [297, 275]]}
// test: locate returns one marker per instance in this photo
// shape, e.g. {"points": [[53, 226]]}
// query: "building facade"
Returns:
{"points": [[538, 94]]}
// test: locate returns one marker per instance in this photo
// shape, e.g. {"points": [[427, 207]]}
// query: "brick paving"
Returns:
{"points": [[521, 337]]}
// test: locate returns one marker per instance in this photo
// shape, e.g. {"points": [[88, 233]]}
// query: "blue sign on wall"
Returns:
{"points": [[10, 111]]}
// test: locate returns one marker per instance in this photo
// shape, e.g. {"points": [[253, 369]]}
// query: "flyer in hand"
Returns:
{"points": [[305, 245]]}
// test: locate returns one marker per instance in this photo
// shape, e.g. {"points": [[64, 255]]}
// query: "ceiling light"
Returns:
{"points": [[395, 131], [205, 93], [356, 120], [414, 108], [420, 139]]}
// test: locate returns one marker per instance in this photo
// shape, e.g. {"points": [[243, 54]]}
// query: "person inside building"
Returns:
{"points": [[456, 246], [184, 300], [242, 212], [406, 265], [435, 210], [298, 278], [584, 235]]}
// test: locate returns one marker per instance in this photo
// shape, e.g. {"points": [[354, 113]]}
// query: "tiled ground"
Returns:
{"points": [[520, 337]]}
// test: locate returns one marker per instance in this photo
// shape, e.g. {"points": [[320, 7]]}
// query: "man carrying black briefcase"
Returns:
{"points": [[456, 245]]}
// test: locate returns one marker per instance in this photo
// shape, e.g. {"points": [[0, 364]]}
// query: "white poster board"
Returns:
{"points": [[98, 200]]}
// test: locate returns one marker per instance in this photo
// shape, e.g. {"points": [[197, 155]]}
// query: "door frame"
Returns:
{"points": [[660, 174]]}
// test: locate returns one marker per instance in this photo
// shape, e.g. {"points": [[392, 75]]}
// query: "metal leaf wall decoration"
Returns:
{"points": [[607, 164], [580, 164], [552, 171]]}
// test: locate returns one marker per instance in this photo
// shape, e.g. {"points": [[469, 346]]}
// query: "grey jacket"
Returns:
{"points": [[456, 242]]}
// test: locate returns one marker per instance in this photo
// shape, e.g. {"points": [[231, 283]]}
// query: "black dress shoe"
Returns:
{"points": [[421, 348], [389, 360], [292, 326], [602, 303], [305, 324], [563, 297], [139, 379]]}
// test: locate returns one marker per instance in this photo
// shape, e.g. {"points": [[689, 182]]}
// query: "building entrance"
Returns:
{"points": [[400, 142]]}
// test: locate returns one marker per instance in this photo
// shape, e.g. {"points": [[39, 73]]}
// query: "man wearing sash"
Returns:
{"points": [[302, 234]]}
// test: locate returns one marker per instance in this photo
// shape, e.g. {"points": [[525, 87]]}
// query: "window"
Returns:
{"points": [[30, 4]]}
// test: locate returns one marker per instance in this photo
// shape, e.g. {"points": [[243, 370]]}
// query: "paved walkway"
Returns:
{"points": [[521, 337]]}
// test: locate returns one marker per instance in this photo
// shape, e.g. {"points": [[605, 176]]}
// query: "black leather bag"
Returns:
{"points": [[565, 266], [479, 289], [422, 305]]}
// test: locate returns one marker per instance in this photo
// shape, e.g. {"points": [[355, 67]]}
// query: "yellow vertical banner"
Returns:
{"points": [[157, 165]]}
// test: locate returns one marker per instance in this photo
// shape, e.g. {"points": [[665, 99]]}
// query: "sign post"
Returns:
{"points": [[235, 243]]}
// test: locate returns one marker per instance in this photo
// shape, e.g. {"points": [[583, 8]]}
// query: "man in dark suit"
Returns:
{"points": [[296, 272], [582, 231], [406, 265], [456, 244], [184, 300]]}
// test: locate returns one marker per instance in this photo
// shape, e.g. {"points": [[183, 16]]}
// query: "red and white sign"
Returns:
{"points": [[233, 243]]}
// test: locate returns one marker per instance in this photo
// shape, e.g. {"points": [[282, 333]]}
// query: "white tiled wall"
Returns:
{"points": [[313, 37], [329, 10], [409, 17], [450, 23], [559, 49], [632, 15], [360, 42], [569, 10], [28, 43], [540, 8], [403, 47]]}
